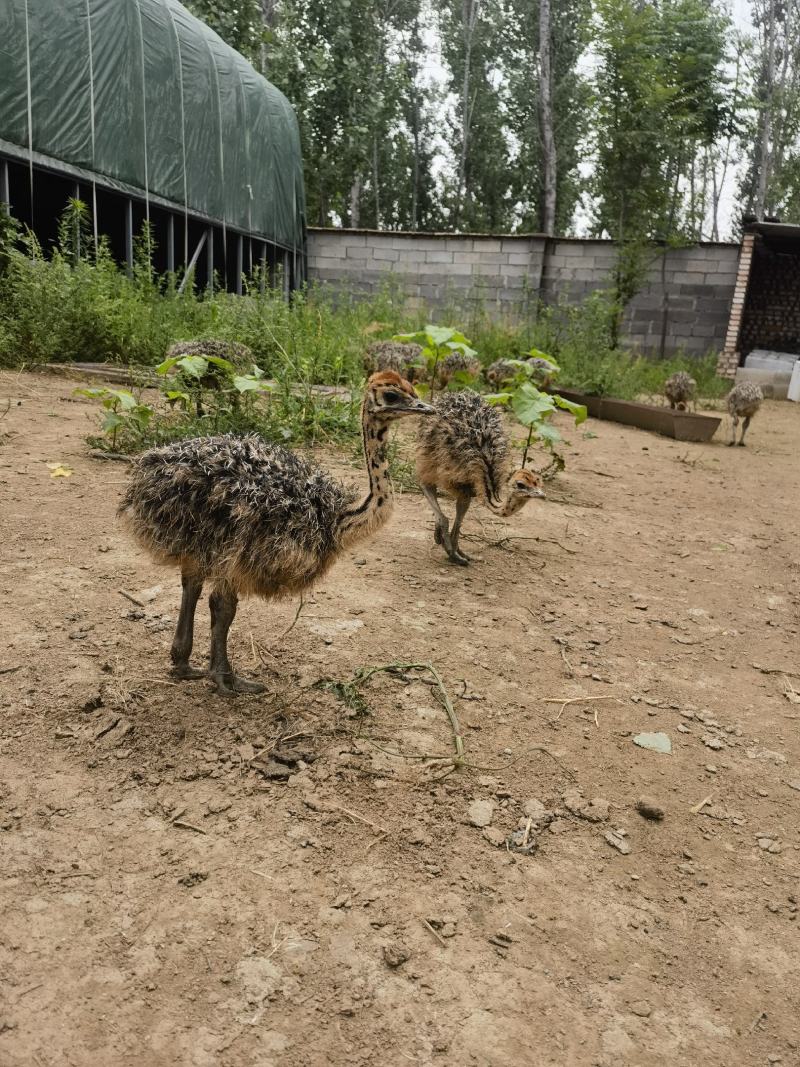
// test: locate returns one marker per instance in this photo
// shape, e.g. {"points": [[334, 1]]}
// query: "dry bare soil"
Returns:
{"points": [[283, 880]]}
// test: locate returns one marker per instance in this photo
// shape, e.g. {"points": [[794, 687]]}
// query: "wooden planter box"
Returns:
{"points": [[680, 425]]}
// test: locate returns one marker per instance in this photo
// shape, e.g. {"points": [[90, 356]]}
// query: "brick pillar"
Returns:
{"points": [[728, 360]]}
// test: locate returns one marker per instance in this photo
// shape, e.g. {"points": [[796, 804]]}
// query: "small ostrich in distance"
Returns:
{"points": [[744, 400], [502, 370], [230, 350], [403, 359], [465, 453], [679, 390], [456, 363], [255, 518]]}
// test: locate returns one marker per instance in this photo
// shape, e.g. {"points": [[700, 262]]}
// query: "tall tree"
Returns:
{"points": [[570, 106], [549, 160], [478, 195], [241, 24], [769, 183], [659, 102]]}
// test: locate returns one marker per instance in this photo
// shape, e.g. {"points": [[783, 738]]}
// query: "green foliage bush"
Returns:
{"points": [[75, 303]]}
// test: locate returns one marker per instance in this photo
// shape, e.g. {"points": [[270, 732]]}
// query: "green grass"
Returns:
{"points": [[77, 304]]}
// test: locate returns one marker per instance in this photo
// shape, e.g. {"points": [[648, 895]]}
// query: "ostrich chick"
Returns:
{"points": [[744, 400], [398, 356], [456, 363], [503, 370], [230, 350], [679, 390], [465, 453], [255, 518]]}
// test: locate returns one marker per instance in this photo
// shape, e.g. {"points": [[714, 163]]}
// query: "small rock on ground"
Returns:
{"points": [[649, 809], [396, 953], [494, 836], [480, 812], [657, 742], [641, 1008], [617, 842]]}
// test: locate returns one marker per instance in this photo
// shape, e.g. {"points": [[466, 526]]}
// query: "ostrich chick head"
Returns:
{"points": [[388, 397], [523, 485]]}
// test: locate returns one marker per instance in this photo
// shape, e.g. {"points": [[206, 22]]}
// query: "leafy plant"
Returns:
{"points": [[199, 375], [438, 342], [122, 412], [534, 408]]}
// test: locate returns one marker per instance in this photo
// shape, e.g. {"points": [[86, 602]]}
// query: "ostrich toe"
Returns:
{"points": [[230, 684], [185, 673]]}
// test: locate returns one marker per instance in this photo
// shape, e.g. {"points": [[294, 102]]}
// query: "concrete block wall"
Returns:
{"points": [[506, 275]]}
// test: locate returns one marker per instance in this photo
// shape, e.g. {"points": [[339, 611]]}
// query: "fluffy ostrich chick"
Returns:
{"points": [[255, 519], [744, 400], [404, 359], [679, 390], [464, 452]]}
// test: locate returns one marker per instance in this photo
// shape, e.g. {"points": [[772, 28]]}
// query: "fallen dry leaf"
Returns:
{"points": [[59, 470]]}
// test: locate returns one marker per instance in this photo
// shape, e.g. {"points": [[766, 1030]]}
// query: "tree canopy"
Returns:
{"points": [[629, 118]]}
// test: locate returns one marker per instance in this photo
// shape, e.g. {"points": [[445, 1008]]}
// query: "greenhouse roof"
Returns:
{"points": [[141, 96]]}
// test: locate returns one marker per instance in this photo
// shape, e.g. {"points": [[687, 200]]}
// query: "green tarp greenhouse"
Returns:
{"points": [[143, 98]]}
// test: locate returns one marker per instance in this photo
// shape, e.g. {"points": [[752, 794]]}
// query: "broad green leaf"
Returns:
{"points": [[167, 365], [495, 399], [93, 394], [408, 338], [578, 410], [218, 361], [126, 400], [530, 406], [438, 335], [244, 383], [112, 421], [142, 414], [549, 434], [194, 366], [461, 346]]}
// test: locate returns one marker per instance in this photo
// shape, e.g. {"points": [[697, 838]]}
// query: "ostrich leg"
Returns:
{"points": [[745, 424], [441, 534], [462, 506], [734, 424], [223, 602], [184, 632]]}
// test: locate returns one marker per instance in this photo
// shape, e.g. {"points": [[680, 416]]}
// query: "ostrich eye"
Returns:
{"points": [[390, 397]]}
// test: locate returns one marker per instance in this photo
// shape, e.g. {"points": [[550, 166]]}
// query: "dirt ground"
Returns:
{"points": [[189, 880]]}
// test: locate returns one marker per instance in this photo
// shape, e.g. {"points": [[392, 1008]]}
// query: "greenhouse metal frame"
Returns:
{"points": [[139, 109]]}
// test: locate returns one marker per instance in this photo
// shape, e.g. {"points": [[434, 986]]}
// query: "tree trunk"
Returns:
{"points": [[765, 147], [547, 212], [376, 181], [469, 18], [355, 202], [415, 174]]}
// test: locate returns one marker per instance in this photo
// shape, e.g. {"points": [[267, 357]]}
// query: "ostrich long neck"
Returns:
{"points": [[508, 505], [376, 507], [501, 502]]}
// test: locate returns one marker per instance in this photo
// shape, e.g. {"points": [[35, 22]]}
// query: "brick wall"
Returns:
{"points": [[505, 274]]}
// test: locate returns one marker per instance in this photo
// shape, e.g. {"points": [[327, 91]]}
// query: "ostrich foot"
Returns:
{"points": [[229, 684], [731, 444], [184, 673], [740, 444], [459, 558]]}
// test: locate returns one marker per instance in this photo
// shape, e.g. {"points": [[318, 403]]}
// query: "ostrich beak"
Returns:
{"points": [[415, 407], [536, 494]]}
